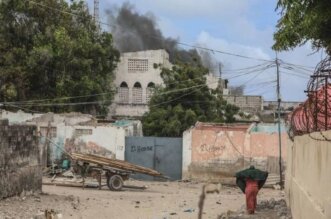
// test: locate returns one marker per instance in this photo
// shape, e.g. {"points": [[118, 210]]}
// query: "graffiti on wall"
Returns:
{"points": [[212, 148], [138, 149]]}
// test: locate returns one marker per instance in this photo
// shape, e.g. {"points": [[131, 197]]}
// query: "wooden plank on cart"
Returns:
{"points": [[114, 163]]}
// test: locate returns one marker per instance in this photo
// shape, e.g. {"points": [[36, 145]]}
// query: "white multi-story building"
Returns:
{"points": [[136, 76]]}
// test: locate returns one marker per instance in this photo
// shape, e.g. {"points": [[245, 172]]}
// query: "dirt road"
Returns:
{"points": [[159, 200]]}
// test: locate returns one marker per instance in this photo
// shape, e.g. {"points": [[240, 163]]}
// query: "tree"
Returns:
{"points": [[302, 21], [50, 49], [182, 101]]}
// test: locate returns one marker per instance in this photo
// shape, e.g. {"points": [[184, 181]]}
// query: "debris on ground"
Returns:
{"points": [[156, 202], [207, 189], [277, 187], [279, 206], [48, 214], [266, 209]]}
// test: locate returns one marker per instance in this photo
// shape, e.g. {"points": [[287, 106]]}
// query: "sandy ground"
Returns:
{"points": [[160, 200]]}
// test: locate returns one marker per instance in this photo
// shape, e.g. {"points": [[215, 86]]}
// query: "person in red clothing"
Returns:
{"points": [[251, 191], [250, 181]]}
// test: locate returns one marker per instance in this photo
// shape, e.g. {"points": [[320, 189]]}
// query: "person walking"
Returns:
{"points": [[250, 181]]}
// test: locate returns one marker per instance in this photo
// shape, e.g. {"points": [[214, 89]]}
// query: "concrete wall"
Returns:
{"points": [[251, 104], [214, 82], [285, 105], [264, 149], [20, 168], [214, 151], [103, 140], [128, 110], [78, 132], [187, 152], [132, 127], [18, 117], [308, 177], [66, 118]]}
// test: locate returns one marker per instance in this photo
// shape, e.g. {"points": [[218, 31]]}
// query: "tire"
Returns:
{"points": [[115, 182]]}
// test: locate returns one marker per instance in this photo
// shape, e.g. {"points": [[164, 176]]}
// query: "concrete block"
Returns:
{"points": [[19, 161], [4, 122]]}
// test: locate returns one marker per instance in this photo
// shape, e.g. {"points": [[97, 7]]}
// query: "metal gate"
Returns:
{"points": [[161, 154]]}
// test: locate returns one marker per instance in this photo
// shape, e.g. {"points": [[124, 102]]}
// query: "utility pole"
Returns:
{"points": [[220, 69], [96, 11], [279, 125]]}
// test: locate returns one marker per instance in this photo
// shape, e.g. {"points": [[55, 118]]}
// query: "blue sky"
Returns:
{"points": [[237, 26]]}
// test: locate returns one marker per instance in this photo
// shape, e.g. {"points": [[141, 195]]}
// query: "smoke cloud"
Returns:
{"points": [[237, 90], [135, 32], [210, 62]]}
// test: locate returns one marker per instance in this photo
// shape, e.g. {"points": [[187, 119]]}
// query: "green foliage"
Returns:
{"points": [[46, 54], [184, 100], [302, 21]]}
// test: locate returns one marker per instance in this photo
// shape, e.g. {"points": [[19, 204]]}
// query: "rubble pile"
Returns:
{"points": [[282, 211], [266, 209]]}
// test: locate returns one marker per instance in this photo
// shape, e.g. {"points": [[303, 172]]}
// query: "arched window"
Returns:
{"points": [[137, 93], [123, 92], [149, 91]]}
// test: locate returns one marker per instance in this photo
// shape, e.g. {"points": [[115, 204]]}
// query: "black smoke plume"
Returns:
{"points": [[209, 61], [237, 90], [135, 32]]}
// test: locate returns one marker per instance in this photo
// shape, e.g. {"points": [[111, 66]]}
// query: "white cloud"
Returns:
{"points": [[253, 81], [233, 47], [292, 86]]}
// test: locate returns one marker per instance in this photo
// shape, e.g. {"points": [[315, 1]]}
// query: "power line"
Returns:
{"points": [[172, 100], [296, 70], [183, 89], [23, 108], [221, 52], [292, 67], [254, 77], [261, 89], [295, 74], [266, 92], [178, 42], [55, 99], [297, 65], [37, 102], [264, 85], [250, 72], [246, 68], [62, 104], [150, 35]]}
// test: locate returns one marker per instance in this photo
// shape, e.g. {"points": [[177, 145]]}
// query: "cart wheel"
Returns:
{"points": [[115, 182]]}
